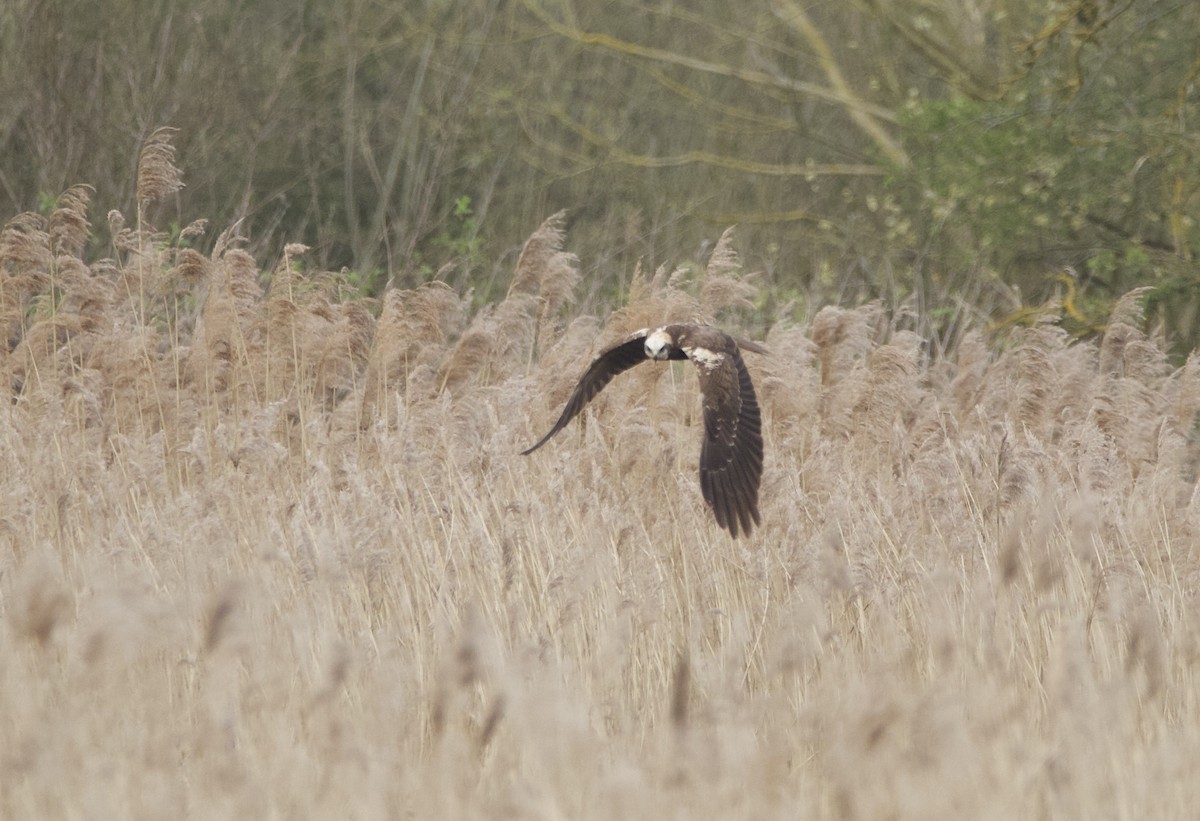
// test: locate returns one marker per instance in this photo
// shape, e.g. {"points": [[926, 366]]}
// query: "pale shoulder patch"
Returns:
{"points": [[707, 359]]}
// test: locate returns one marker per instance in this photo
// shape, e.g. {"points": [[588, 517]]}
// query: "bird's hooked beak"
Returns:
{"points": [[658, 345]]}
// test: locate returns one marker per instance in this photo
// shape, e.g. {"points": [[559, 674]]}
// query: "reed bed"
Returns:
{"points": [[268, 550]]}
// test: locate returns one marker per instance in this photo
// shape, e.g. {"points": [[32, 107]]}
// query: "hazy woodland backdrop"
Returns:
{"points": [[971, 157], [267, 549]]}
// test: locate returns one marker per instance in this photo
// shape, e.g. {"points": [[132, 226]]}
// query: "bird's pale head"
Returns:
{"points": [[658, 345]]}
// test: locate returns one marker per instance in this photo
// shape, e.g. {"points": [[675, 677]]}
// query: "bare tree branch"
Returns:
{"points": [[615, 153], [949, 59], [793, 15], [759, 78]]}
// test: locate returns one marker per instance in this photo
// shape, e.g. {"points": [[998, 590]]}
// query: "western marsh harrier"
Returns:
{"points": [[731, 457]]}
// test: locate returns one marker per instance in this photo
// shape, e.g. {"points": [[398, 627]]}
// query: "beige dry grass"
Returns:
{"points": [[263, 555]]}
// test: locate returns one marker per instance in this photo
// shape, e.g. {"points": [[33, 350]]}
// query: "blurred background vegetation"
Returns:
{"points": [[997, 160]]}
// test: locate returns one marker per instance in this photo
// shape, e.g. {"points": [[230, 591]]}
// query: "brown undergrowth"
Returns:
{"points": [[269, 550]]}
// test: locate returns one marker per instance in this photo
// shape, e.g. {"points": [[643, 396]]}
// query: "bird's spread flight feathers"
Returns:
{"points": [[731, 456]]}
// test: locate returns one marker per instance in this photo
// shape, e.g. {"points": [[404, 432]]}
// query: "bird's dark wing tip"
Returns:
{"points": [[543, 441]]}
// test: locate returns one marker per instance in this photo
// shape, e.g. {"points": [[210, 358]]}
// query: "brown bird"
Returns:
{"points": [[731, 457]]}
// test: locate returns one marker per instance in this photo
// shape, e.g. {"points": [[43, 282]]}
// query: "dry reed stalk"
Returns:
{"points": [[971, 366], [544, 269], [724, 285], [342, 355], [194, 230], [25, 248], [158, 177], [68, 227], [543, 281], [1037, 377], [25, 262], [125, 240], [843, 338], [283, 327], [228, 347], [1188, 402], [191, 266], [660, 300], [891, 395], [411, 334], [494, 345]]}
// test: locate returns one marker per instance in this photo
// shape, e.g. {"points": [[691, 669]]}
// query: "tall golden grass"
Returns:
{"points": [[270, 552]]}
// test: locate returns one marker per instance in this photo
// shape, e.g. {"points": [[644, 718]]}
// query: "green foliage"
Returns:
{"points": [[1175, 300], [365, 283], [1032, 196], [45, 202], [460, 236], [1081, 165], [997, 172]]}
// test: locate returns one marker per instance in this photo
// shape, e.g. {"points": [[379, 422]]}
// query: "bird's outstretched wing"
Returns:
{"points": [[617, 359], [731, 458]]}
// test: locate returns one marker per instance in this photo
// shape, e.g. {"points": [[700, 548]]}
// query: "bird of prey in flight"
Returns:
{"points": [[731, 457]]}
